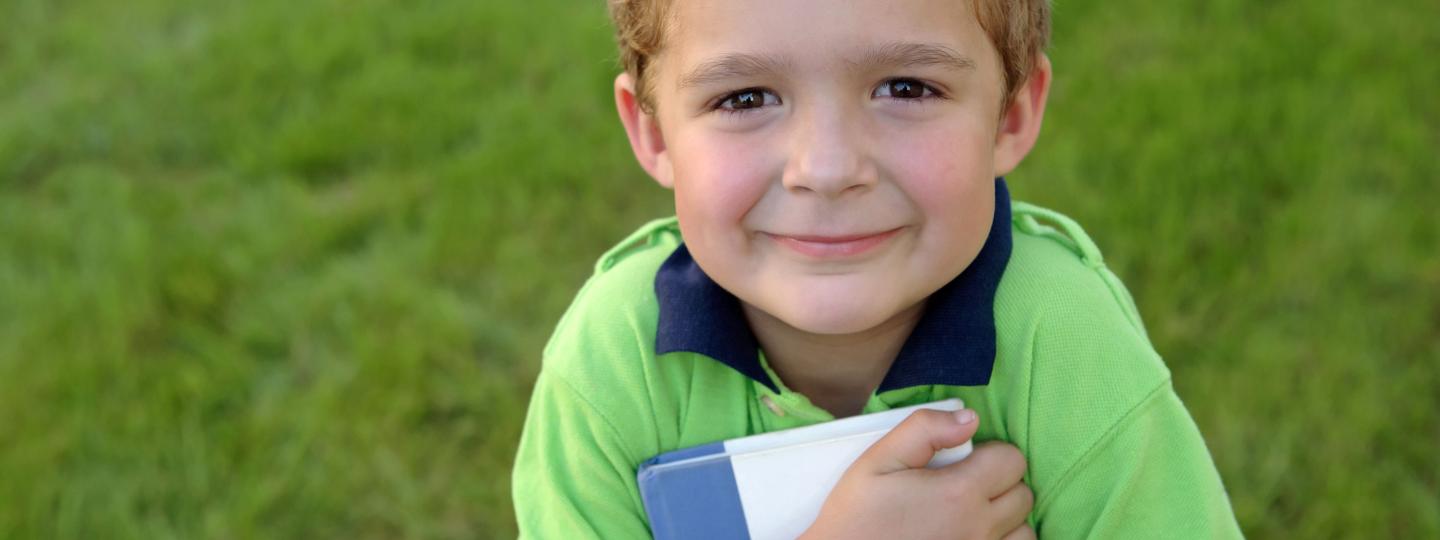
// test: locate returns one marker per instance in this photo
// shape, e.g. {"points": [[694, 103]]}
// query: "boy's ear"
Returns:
{"points": [[644, 132], [1020, 125]]}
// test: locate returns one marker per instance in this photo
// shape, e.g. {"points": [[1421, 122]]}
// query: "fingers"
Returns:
{"points": [[1012, 507], [1024, 532], [916, 439], [993, 468]]}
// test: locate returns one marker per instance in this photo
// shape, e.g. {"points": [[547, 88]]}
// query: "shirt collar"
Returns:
{"points": [[953, 344]]}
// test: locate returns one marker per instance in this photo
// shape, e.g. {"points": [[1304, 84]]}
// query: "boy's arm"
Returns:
{"points": [[1114, 453], [573, 476], [1149, 477]]}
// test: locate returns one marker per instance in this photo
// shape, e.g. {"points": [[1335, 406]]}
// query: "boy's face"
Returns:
{"points": [[832, 162]]}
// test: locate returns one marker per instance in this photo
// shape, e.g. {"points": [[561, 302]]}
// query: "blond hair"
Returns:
{"points": [[1019, 30]]}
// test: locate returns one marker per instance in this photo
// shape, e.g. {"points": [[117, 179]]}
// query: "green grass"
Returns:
{"points": [[283, 270]]}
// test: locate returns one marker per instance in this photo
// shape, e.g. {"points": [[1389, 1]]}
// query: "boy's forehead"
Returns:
{"points": [[796, 31]]}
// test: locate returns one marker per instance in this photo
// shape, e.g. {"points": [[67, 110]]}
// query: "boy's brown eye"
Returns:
{"points": [[748, 99], [905, 89], [902, 89]]}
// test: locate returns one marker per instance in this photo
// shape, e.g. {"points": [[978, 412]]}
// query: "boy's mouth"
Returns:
{"points": [[833, 247]]}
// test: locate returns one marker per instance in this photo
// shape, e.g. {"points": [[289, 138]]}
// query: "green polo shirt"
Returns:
{"points": [[1037, 335]]}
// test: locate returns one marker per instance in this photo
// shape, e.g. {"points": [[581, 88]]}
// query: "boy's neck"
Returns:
{"points": [[837, 373]]}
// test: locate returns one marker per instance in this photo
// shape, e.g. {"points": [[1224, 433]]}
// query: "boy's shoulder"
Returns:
{"points": [[619, 297], [604, 345], [651, 243], [1055, 267], [1075, 341]]}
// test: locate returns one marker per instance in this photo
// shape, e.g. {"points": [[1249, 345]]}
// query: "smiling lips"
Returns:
{"points": [[834, 247]]}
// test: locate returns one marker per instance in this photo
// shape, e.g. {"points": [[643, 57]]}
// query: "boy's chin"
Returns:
{"points": [[829, 324], [834, 316]]}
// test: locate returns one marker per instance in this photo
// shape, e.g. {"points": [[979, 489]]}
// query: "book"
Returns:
{"points": [[767, 486]]}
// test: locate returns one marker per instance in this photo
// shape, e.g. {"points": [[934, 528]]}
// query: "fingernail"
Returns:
{"points": [[964, 416]]}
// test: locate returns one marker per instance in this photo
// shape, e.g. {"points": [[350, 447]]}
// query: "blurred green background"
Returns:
{"points": [[275, 269]]}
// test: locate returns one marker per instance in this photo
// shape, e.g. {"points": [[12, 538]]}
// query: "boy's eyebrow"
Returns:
{"points": [[911, 54], [895, 53], [733, 65]]}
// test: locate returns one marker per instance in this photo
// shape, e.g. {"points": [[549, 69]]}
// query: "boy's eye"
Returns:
{"points": [[903, 89], [751, 98]]}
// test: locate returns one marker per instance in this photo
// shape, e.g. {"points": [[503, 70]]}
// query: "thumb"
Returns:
{"points": [[912, 443]]}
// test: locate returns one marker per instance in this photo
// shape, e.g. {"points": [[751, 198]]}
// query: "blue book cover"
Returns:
{"points": [[762, 487]]}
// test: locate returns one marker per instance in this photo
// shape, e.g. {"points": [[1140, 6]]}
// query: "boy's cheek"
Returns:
{"points": [[711, 222], [721, 184], [939, 169]]}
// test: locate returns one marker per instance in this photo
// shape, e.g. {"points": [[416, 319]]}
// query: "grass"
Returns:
{"points": [[283, 270]]}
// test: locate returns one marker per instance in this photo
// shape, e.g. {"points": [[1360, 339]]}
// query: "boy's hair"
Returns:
{"points": [[1019, 30]]}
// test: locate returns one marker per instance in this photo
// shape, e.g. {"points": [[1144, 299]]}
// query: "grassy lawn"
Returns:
{"points": [[283, 270]]}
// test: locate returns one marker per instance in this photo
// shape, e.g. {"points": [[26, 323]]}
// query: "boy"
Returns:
{"points": [[845, 245]]}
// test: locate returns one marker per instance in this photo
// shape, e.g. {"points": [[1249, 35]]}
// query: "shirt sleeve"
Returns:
{"points": [[1112, 451], [1149, 477], [573, 476]]}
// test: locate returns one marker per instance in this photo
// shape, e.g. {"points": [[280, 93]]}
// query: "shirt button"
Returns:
{"points": [[770, 404]]}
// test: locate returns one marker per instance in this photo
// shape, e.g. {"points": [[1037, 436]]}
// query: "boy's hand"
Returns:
{"points": [[888, 492]]}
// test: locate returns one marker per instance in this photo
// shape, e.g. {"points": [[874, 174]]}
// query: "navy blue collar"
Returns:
{"points": [[953, 344]]}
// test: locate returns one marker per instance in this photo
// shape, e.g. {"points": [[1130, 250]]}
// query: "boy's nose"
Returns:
{"points": [[827, 158]]}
